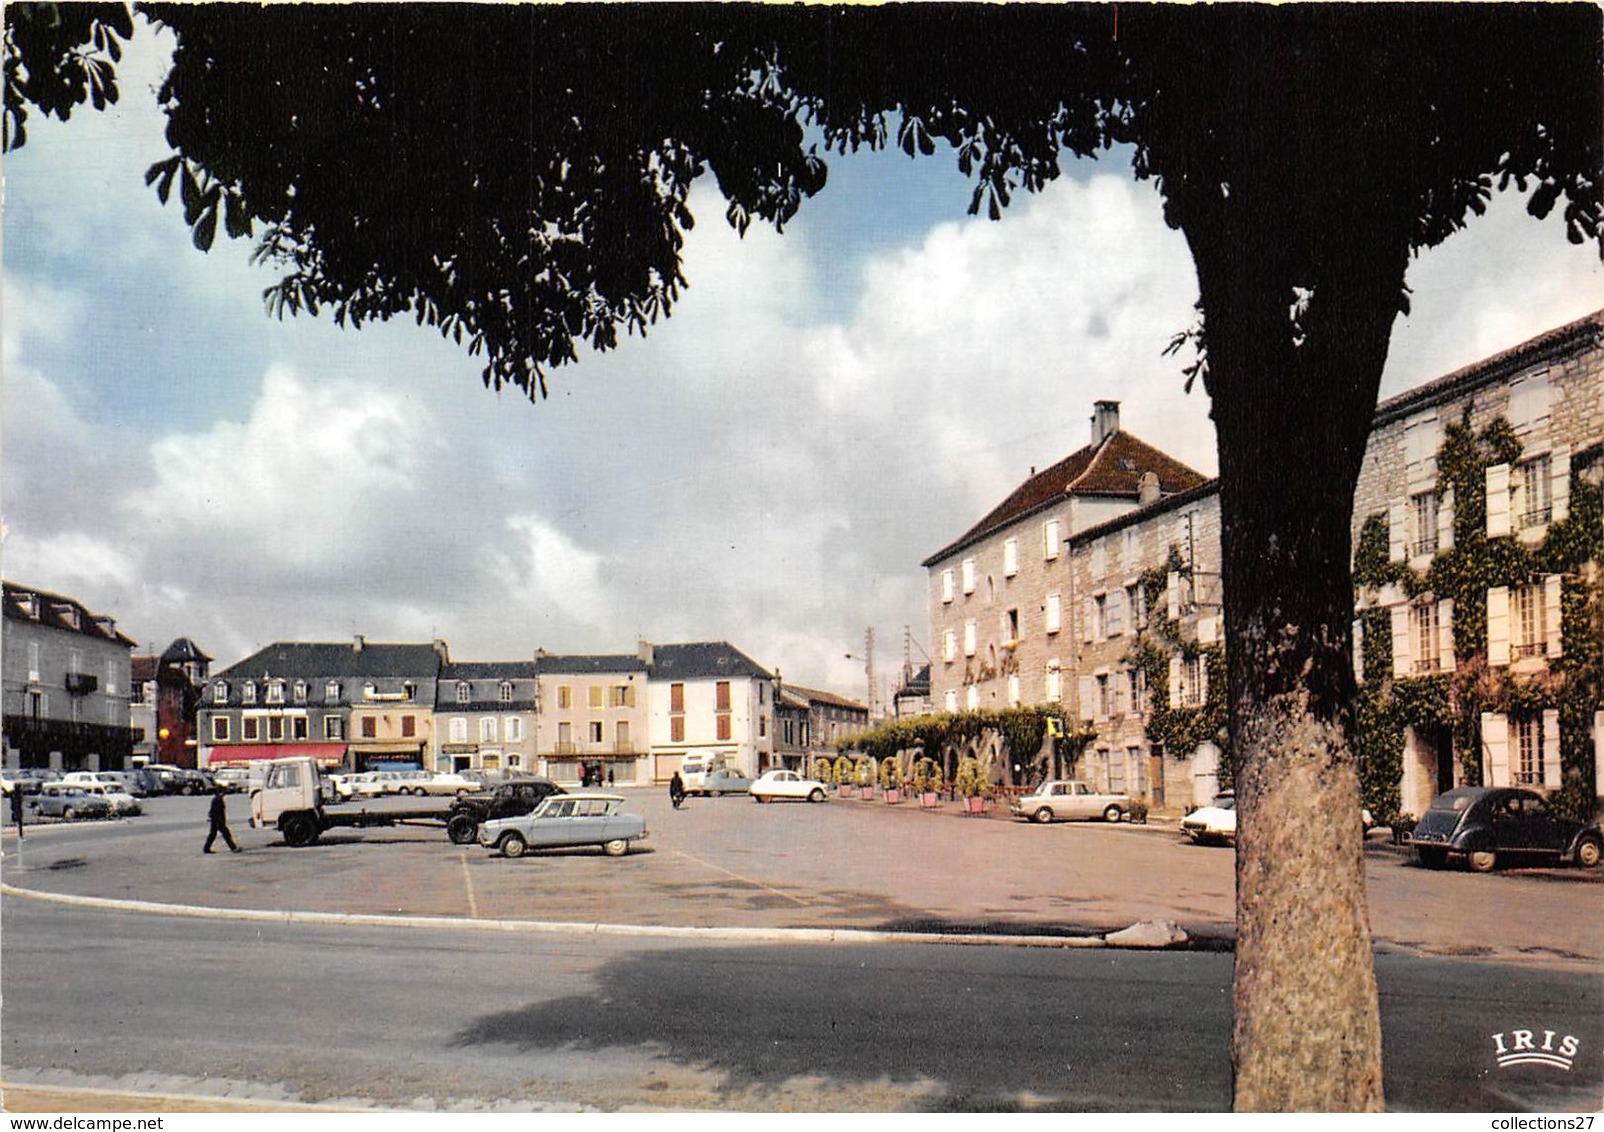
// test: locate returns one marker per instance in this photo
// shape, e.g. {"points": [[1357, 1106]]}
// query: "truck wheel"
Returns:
{"points": [[299, 831], [617, 847], [462, 830], [1113, 813], [512, 845]]}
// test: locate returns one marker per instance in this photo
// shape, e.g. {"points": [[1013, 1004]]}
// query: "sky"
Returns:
{"points": [[769, 466]]}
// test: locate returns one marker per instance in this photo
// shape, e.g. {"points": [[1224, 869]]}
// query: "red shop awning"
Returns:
{"points": [[327, 754]]}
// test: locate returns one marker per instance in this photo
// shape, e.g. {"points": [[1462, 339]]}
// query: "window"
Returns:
{"points": [[111, 678], [1531, 493], [1136, 603], [1013, 690], [409, 689], [623, 695], [250, 729], [409, 726], [333, 727], [33, 662], [1049, 539], [1054, 689], [721, 696], [1010, 557], [487, 729], [515, 729], [504, 691], [565, 696], [331, 692], [1194, 681], [464, 692], [298, 728], [136, 693], [950, 700], [949, 645], [1098, 629], [969, 575], [249, 694], [1105, 699], [1011, 625], [1526, 616], [722, 723], [1424, 627], [275, 692], [596, 696], [370, 727], [1529, 749], [458, 728], [75, 661], [1114, 614], [972, 697], [946, 586], [676, 729], [275, 729], [595, 731], [1423, 524], [969, 637], [300, 691], [1138, 689], [1054, 612], [219, 728]]}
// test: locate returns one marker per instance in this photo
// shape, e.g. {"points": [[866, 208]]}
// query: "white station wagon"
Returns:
{"points": [[566, 820]]}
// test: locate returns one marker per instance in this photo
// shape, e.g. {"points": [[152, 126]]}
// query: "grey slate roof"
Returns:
{"points": [[57, 611], [488, 670], [704, 660], [316, 660], [587, 665], [814, 695]]}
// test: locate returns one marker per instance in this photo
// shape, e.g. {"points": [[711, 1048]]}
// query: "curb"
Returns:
{"points": [[542, 927]]}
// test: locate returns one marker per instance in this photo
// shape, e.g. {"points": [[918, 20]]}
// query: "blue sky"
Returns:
{"points": [[769, 466]]}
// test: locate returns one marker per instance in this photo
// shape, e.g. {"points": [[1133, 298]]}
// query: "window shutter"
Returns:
{"points": [[1445, 521], [1498, 500], [1088, 616], [1359, 651], [1498, 626], [1553, 634], [1397, 518], [1495, 746], [1445, 635], [1175, 681], [1172, 596], [1400, 640], [1207, 630], [1560, 482], [1552, 776], [1088, 698], [1202, 681]]}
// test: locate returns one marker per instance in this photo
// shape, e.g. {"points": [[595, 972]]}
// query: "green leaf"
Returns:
{"points": [[206, 231]]}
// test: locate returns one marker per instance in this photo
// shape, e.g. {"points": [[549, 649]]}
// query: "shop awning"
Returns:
{"points": [[327, 754]]}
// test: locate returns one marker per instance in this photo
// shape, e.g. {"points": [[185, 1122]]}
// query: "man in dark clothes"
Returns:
{"points": [[219, 820], [676, 790]]}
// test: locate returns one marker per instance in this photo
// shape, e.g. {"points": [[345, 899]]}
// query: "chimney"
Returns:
{"points": [[356, 645], [1147, 489], [441, 651], [647, 654], [1105, 420]]}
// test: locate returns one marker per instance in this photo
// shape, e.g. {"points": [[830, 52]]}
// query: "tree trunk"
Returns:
{"points": [[1292, 418]]}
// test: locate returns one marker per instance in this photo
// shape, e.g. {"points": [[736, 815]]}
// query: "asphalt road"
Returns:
{"points": [[414, 1018], [448, 1019]]}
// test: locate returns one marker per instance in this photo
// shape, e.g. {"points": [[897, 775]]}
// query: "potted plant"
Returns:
{"points": [[1138, 814], [970, 784], [931, 798], [843, 776], [891, 780], [922, 783], [864, 774]]}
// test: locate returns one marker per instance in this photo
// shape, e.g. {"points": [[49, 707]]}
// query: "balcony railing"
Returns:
{"points": [[1529, 648], [81, 683], [1421, 548]]}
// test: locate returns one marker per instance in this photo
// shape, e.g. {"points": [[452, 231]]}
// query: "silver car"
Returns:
{"points": [[566, 820], [57, 800]]}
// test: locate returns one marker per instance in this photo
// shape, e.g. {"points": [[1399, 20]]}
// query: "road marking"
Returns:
{"points": [[467, 879], [743, 879]]}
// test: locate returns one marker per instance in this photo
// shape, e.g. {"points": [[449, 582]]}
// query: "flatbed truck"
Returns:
{"points": [[290, 798]]}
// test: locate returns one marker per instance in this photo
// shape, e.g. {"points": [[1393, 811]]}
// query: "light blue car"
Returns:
{"points": [[564, 821]]}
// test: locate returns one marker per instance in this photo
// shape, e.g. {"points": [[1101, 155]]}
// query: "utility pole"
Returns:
{"points": [[868, 668]]}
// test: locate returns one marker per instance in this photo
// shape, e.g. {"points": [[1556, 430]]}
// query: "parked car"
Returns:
{"points": [[122, 803], [443, 783], [59, 800], [772, 784], [372, 783], [721, 781], [1486, 825], [511, 799], [233, 779], [1213, 824], [28, 779], [1065, 800], [567, 820], [91, 777]]}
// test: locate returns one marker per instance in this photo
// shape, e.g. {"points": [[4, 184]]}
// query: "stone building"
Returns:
{"points": [[592, 716], [67, 673], [811, 723], [164, 704], [485, 717]]}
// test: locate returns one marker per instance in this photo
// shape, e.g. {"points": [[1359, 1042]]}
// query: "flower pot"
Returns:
{"points": [[929, 800], [867, 792], [974, 805], [846, 791], [893, 797]]}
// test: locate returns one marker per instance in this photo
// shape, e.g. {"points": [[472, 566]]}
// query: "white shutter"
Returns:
{"points": [[1445, 635], [1088, 698], [1088, 620], [1397, 539], [1498, 626], [1359, 651], [1202, 680], [1552, 777], [1495, 745], [1560, 482], [1175, 681], [1445, 521], [1207, 630], [1055, 613], [1172, 596], [1553, 636], [1400, 640], [1497, 500]]}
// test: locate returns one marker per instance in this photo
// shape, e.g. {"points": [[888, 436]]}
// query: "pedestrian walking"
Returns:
{"points": [[676, 790], [609, 778], [218, 815]]}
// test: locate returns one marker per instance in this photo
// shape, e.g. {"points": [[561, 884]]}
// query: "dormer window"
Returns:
{"points": [[275, 692], [410, 689], [248, 693], [464, 692], [506, 691], [300, 691], [331, 692], [220, 692]]}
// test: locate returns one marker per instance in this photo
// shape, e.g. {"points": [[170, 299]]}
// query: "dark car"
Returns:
{"points": [[1487, 825], [510, 799]]}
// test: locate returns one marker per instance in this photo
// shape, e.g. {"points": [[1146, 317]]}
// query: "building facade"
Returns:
{"points": [[358, 706], [710, 698], [592, 718], [484, 717], [810, 723], [67, 677], [164, 703]]}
